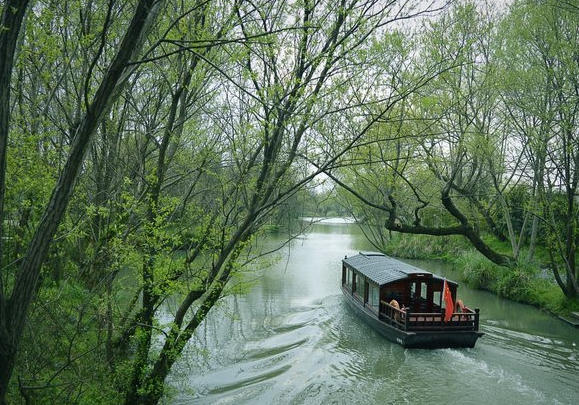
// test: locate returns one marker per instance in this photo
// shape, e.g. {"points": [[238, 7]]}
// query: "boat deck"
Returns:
{"points": [[409, 321]]}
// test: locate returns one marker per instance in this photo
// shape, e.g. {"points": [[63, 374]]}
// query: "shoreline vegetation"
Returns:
{"points": [[528, 283]]}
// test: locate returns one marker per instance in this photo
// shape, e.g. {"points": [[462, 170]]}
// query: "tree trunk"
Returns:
{"points": [[12, 17], [27, 276], [533, 241], [151, 297], [151, 389]]}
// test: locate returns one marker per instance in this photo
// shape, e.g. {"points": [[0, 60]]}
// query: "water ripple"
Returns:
{"points": [[321, 353]]}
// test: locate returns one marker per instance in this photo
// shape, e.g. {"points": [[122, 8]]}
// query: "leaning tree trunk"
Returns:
{"points": [[26, 280]]}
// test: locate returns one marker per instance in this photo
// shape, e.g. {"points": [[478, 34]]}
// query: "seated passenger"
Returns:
{"points": [[394, 303], [459, 306]]}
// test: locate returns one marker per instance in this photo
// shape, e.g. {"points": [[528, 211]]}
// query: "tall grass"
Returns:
{"points": [[477, 271], [426, 247]]}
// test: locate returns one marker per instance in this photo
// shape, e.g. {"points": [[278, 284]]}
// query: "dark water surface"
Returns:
{"points": [[292, 340]]}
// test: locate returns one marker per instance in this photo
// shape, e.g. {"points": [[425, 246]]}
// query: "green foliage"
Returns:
{"points": [[477, 271], [524, 283], [63, 351], [207, 151], [544, 294], [426, 247], [515, 284], [519, 200]]}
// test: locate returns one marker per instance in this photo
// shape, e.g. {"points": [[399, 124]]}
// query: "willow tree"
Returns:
{"points": [[431, 172], [541, 106]]}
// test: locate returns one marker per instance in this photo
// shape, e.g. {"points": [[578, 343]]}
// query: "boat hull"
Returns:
{"points": [[435, 339]]}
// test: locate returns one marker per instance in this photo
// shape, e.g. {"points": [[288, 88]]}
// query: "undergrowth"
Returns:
{"points": [[522, 283]]}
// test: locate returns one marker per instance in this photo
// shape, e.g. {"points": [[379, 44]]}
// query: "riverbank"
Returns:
{"points": [[528, 284]]}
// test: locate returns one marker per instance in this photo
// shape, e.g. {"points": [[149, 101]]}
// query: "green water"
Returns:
{"points": [[292, 340]]}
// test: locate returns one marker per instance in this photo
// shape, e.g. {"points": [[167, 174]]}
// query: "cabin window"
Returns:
{"points": [[374, 296], [359, 285], [349, 278], [418, 290], [423, 290], [366, 288], [436, 298]]}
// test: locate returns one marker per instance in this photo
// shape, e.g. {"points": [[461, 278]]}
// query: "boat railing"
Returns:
{"points": [[396, 316], [406, 320]]}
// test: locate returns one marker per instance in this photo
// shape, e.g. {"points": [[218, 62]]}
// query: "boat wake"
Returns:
{"points": [[286, 351], [321, 353]]}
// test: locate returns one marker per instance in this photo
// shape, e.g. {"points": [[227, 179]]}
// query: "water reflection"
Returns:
{"points": [[292, 340]]}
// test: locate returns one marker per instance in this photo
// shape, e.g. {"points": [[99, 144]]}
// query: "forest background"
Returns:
{"points": [[146, 147]]}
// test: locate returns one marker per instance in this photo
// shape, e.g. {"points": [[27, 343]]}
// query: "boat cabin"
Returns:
{"points": [[404, 296]]}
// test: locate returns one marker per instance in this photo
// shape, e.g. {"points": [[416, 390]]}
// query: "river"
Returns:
{"points": [[292, 340]]}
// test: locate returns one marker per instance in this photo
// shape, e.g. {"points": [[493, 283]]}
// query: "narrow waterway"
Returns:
{"points": [[292, 340]]}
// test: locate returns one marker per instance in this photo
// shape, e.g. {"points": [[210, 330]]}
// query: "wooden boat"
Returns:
{"points": [[405, 303]]}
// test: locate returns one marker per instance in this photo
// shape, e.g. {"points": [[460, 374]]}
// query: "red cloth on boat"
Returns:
{"points": [[447, 298]]}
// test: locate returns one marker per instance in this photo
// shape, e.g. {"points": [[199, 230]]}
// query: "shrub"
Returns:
{"points": [[515, 284], [425, 247], [477, 271], [521, 284]]}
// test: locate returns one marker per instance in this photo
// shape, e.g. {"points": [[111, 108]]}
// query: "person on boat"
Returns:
{"points": [[461, 308], [395, 304]]}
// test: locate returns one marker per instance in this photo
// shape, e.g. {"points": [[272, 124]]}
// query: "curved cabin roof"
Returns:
{"points": [[382, 269]]}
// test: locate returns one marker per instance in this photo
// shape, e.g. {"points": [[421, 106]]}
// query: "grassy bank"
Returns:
{"points": [[528, 283]]}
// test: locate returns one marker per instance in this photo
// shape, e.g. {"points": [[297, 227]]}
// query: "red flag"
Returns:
{"points": [[447, 298]]}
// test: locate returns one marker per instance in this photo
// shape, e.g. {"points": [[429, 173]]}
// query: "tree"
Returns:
{"points": [[15, 307], [500, 120], [198, 143], [281, 85], [13, 13], [445, 153], [541, 103]]}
